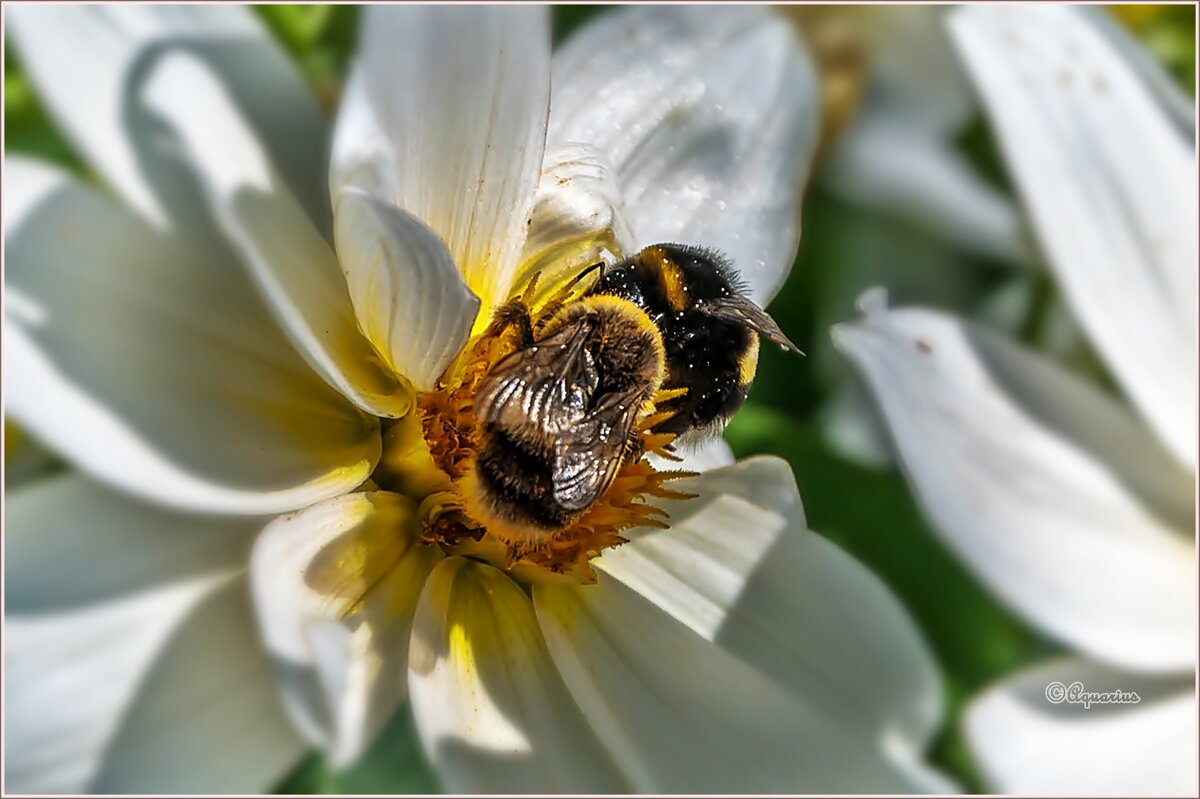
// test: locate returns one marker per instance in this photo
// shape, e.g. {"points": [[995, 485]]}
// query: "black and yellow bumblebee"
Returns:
{"points": [[709, 328], [556, 416]]}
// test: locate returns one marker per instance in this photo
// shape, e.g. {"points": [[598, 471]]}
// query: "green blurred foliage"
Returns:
{"points": [[869, 512], [27, 127], [322, 41], [568, 18], [393, 764], [845, 250], [1169, 32]]}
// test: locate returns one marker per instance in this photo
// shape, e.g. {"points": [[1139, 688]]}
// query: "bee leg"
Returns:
{"points": [[547, 312], [513, 314], [555, 303], [634, 447]]}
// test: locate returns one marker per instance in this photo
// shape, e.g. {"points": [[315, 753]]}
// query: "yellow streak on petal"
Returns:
{"points": [[379, 549], [461, 654], [486, 617]]}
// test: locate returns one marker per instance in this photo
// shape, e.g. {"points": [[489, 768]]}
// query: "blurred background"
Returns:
{"points": [[813, 413]]}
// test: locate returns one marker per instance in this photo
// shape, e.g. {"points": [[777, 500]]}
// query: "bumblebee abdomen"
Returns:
{"points": [[557, 415], [715, 362], [510, 488]]}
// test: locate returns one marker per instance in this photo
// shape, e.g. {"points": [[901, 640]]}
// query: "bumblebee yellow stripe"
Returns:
{"points": [[669, 275], [748, 363]]}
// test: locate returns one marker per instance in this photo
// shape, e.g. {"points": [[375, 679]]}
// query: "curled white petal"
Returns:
{"points": [[156, 371], [288, 255], [335, 586], [1049, 491], [491, 709], [462, 95], [709, 117], [411, 301], [577, 217]]}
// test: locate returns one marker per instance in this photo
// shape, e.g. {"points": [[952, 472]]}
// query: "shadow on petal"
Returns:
{"points": [[206, 717], [299, 157]]}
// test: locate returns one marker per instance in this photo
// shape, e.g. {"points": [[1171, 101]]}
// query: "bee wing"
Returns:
{"points": [[587, 461], [742, 310], [545, 386]]}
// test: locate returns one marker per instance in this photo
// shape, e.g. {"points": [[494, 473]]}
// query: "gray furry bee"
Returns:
{"points": [[557, 415]]}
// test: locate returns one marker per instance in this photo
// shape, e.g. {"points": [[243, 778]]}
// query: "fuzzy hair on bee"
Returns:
{"points": [[709, 327], [557, 415]]}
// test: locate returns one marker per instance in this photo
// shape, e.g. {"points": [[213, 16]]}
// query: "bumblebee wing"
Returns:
{"points": [[545, 386], [742, 310], [587, 461]]}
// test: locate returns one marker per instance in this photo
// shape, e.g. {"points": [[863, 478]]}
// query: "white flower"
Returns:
{"points": [[1075, 507], [898, 155], [201, 348], [910, 209]]}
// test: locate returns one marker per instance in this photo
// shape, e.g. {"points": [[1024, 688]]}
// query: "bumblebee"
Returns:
{"points": [[556, 416], [709, 329]]}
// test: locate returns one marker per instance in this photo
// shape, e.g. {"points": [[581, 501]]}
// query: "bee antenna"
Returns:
{"points": [[552, 305], [598, 265]]}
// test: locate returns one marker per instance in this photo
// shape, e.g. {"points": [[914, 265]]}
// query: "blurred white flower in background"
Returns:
{"points": [[187, 338], [897, 153], [1076, 507], [911, 209]]}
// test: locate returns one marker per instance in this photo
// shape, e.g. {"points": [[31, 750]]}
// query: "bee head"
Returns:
{"points": [[620, 280]]}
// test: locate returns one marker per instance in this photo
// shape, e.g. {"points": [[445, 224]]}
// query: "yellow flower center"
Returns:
{"points": [[427, 454]]}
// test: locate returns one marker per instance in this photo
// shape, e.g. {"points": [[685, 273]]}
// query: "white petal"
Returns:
{"points": [[293, 263], [700, 456], [1107, 177], [679, 713], [891, 162], [412, 302], [208, 717], [1026, 744], [710, 118], [131, 662], [89, 62], [577, 217], [1049, 491], [71, 543], [739, 567], [462, 95], [335, 587], [362, 156], [157, 372], [492, 712], [899, 154], [914, 65]]}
